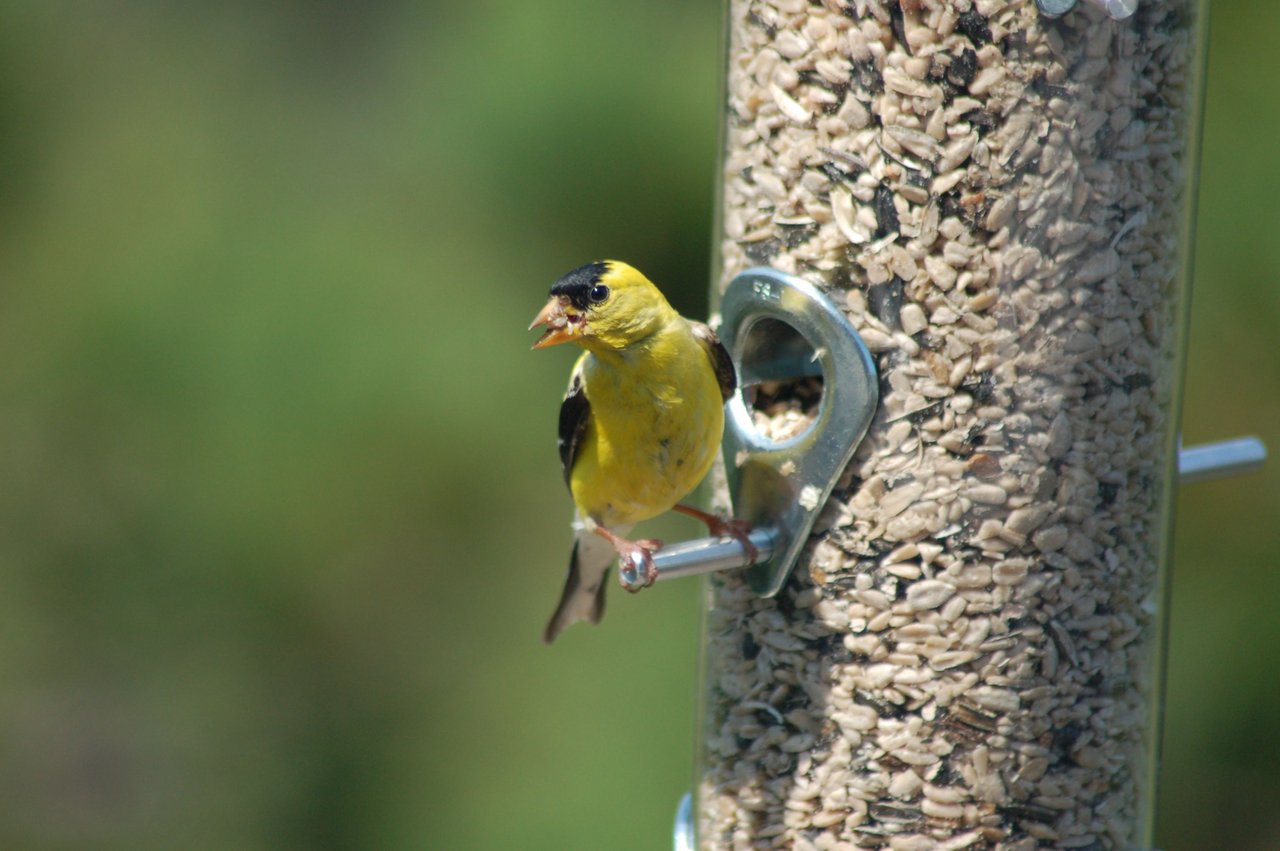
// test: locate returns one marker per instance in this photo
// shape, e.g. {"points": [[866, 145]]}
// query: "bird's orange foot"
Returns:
{"points": [[636, 569], [739, 530]]}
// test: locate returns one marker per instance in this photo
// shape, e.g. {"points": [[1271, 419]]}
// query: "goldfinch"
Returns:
{"points": [[639, 426]]}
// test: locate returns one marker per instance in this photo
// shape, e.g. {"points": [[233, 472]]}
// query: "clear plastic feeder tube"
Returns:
{"points": [[970, 652]]}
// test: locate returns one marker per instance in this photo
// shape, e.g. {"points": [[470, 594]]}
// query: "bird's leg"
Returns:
{"points": [[739, 530], [638, 554]]}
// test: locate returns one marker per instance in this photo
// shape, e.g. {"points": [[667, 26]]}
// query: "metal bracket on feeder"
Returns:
{"points": [[778, 327]]}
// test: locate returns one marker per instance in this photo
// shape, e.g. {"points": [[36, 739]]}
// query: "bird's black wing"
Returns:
{"points": [[719, 355], [575, 412]]}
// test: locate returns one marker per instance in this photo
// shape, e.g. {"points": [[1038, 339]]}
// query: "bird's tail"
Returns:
{"points": [[584, 586]]}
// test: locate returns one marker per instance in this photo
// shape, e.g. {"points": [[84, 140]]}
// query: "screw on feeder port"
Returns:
{"points": [[779, 328]]}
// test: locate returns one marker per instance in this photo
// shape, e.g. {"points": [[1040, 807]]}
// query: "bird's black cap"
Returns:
{"points": [[576, 285]]}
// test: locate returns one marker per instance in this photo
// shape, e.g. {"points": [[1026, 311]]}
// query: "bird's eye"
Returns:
{"points": [[599, 293]]}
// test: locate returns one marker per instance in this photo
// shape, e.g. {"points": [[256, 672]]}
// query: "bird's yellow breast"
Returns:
{"points": [[654, 429]]}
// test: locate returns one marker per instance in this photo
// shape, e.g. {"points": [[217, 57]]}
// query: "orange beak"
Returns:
{"points": [[561, 327]]}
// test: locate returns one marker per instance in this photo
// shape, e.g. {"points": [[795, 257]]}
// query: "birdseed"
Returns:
{"points": [[967, 655]]}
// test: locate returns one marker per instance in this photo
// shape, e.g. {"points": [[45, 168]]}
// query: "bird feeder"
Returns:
{"points": [[997, 196]]}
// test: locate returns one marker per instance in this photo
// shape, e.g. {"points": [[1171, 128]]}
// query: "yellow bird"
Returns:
{"points": [[639, 426]]}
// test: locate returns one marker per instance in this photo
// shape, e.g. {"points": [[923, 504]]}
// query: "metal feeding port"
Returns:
{"points": [[784, 335], [781, 329]]}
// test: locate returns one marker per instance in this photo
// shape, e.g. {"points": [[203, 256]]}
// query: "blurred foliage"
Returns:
{"points": [[281, 516], [1222, 723]]}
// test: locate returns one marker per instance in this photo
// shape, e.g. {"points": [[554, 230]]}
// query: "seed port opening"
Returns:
{"points": [[782, 379]]}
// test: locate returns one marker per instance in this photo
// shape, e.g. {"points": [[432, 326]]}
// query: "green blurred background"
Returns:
{"points": [[280, 511]]}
